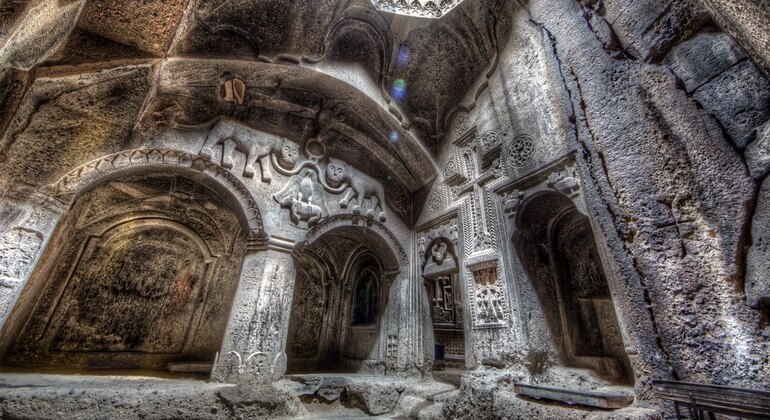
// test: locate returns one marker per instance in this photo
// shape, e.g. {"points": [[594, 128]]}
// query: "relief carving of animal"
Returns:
{"points": [[234, 136], [304, 197], [359, 188]]}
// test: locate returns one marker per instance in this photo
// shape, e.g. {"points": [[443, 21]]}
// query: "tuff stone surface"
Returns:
{"points": [[309, 195], [702, 58], [739, 98]]}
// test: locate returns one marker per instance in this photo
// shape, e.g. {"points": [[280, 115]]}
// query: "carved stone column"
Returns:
{"points": [[254, 347]]}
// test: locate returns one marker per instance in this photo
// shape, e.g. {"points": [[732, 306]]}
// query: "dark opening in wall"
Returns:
{"points": [[556, 245]]}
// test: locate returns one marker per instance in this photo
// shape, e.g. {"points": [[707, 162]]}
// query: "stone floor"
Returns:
{"points": [[317, 396], [53, 396]]}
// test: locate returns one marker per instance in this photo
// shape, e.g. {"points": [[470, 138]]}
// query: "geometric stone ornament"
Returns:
{"points": [[420, 8], [488, 308], [521, 151]]}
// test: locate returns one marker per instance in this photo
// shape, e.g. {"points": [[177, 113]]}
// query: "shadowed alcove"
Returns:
{"points": [[141, 272], [441, 276], [557, 248], [339, 310]]}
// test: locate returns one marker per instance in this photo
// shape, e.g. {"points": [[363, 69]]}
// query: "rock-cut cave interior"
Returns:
{"points": [[428, 209]]}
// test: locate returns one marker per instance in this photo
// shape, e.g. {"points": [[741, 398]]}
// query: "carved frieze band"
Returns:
{"points": [[80, 178], [340, 220], [422, 8]]}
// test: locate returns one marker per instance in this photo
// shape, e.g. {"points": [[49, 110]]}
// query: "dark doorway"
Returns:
{"points": [[556, 246], [340, 302]]}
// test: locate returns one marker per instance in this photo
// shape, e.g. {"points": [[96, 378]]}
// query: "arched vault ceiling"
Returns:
{"points": [[297, 103], [438, 61]]}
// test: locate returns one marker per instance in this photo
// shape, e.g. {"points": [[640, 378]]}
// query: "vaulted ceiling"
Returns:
{"points": [[423, 67]]}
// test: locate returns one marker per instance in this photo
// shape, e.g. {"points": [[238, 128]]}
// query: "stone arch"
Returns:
{"points": [[451, 253], [364, 21], [395, 259], [364, 268], [135, 275], [558, 251], [128, 162], [325, 333]]}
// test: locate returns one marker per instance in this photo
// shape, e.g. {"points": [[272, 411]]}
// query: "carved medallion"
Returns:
{"points": [[521, 151], [434, 201], [462, 123]]}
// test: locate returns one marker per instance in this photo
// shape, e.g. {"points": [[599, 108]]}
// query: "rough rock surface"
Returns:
{"points": [[570, 193]]}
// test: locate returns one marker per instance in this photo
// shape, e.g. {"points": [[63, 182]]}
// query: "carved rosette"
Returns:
{"points": [[521, 151]]}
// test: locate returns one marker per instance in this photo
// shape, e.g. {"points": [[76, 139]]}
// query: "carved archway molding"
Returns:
{"points": [[353, 220], [106, 168]]}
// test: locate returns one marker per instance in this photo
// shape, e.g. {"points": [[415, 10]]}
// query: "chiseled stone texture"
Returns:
{"points": [[747, 21], [45, 27], [672, 199], [647, 29], [702, 58], [92, 397], [758, 261], [739, 98], [758, 153], [64, 122]]}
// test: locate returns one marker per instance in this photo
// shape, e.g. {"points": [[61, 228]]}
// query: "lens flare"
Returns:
{"points": [[398, 91], [394, 136], [402, 57]]}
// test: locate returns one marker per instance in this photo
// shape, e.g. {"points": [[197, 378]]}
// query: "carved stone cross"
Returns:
{"points": [[474, 165]]}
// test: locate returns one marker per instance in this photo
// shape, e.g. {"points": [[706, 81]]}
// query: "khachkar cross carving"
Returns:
{"points": [[474, 165]]}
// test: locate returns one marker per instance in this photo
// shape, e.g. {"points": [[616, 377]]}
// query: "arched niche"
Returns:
{"points": [[441, 277], [558, 251], [140, 272], [341, 311], [365, 298]]}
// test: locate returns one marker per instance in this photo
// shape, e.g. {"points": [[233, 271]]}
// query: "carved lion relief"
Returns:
{"points": [[234, 136]]}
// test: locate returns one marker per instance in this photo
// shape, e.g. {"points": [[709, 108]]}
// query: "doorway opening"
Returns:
{"points": [[339, 311], [557, 248]]}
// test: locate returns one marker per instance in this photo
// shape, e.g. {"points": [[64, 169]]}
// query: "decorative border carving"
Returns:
{"points": [[80, 178], [421, 8], [341, 220], [488, 302]]}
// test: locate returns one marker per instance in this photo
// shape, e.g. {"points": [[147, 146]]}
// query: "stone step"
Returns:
{"points": [[597, 399]]}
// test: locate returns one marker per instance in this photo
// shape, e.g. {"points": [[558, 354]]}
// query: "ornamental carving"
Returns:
{"points": [[462, 123], [488, 306], [490, 145], [421, 8], [521, 151], [565, 182]]}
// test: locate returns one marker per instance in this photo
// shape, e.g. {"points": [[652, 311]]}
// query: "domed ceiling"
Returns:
{"points": [[421, 8]]}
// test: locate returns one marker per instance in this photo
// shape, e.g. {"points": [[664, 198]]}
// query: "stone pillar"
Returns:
{"points": [[253, 350], [27, 221], [748, 21]]}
